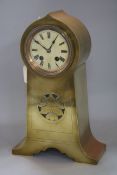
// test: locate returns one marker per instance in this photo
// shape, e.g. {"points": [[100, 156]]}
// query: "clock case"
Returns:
{"points": [[57, 104]]}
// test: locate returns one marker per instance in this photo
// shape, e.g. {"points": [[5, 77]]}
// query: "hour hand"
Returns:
{"points": [[40, 44], [49, 50]]}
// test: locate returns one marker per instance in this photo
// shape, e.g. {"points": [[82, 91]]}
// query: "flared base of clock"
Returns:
{"points": [[90, 153]]}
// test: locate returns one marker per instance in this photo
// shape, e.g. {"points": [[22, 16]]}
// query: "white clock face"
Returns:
{"points": [[49, 50]]}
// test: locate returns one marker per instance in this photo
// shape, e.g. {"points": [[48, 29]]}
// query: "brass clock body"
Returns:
{"points": [[57, 105]]}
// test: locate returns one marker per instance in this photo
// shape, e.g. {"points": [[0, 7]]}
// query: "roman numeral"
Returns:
{"points": [[41, 63], [48, 34], [61, 43], [57, 65], [62, 59], [49, 66], [63, 51], [36, 57], [41, 36], [34, 49]]}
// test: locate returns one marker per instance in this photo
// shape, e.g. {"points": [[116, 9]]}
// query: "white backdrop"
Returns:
{"points": [[100, 17]]}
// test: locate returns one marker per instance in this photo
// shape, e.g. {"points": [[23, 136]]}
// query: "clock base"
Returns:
{"points": [[90, 153], [68, 131]]}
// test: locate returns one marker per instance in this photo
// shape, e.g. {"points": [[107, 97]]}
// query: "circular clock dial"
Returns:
{"points": [[49, 50]]}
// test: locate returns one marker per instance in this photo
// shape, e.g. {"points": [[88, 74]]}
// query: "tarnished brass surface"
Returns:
{"points": [[57, 107]]}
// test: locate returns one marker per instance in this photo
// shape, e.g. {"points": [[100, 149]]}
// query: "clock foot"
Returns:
{"points": [[90, 153], [92, 149], [28, 147]]}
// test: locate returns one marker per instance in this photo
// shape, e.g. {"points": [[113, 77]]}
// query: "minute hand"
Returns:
{"points": [[49, 50], [41, 45]]}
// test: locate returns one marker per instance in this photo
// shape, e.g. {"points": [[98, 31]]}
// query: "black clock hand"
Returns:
{"points": [[40, 44], [53, 42]]}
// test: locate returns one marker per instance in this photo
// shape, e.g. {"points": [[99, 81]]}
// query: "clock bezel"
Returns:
{"points": [[28, 55], [70, 64]]}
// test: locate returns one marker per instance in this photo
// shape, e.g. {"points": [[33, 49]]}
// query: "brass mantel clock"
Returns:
{"points": [[55, 49]]}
